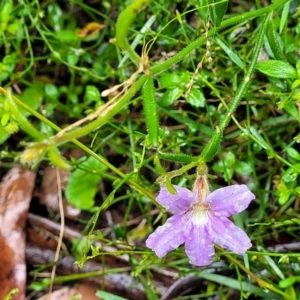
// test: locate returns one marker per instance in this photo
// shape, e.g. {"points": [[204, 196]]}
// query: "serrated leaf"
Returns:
{"points": [[277, 69], [196, 98], [83, 183]]}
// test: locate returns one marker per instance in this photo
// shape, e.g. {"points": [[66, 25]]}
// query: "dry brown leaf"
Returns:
{"points": [[15, 195], [84, 291], [49, 192]]}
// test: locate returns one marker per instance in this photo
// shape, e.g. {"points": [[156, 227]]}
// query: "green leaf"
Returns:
{"points": [[108, 296], [92, 94], [52, 91], [5, 13], [230, 158], [55, 16], [273, 40], [196, 98], [72, 58], [225, 166], [170, 96], [217, 11], [243, 168], [4, 135], [231, 55], [260, 140], [32, 98], [293, 153], [277, 69], [67, 36], [285, 283], [83, 183], [168, 80], [284, 16]]}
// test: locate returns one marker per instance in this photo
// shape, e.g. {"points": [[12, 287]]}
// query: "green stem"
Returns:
{"points": [[160, 68], [102, 118], [261, 282], [132, 183], [123, 23], [211, 149]]}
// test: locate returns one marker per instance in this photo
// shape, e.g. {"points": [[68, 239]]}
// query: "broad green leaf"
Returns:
{"points": [[51, 91], [67, 36], [230, 158], [170, 96], [32, 98], [55, 16], [232, 55], [290, 175], [72, 58], [277, 69], [83, 183], [243, 168], [168, 80], [92, 94], [293, 153], [196, 98], [284, 193], [5, 13]]}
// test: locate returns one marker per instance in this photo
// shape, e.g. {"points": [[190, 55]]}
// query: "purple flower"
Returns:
{"points": [[200, 220]]}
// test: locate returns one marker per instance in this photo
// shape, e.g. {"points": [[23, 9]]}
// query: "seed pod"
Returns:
{"points": [[150, 111], [211, 149], [181, 158]]}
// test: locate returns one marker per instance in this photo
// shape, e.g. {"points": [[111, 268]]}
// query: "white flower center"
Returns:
{"points": [[200, 214]]}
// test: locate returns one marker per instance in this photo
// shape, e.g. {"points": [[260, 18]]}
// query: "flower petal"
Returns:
{"points": [[229, 200], [169, 236], [199, 246], [227, 235], [176, 204]]}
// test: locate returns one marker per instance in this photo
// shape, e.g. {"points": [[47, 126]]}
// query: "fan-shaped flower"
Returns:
{"points": [[200, 220]]}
